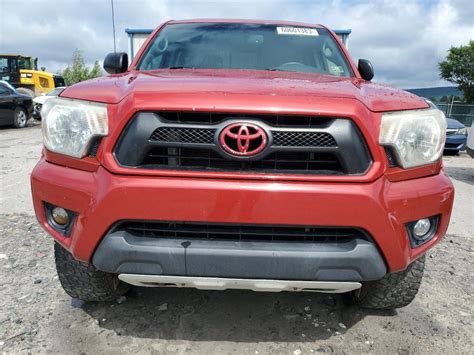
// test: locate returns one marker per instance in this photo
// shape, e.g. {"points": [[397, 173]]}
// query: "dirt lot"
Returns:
{"points": [[37, 316]]}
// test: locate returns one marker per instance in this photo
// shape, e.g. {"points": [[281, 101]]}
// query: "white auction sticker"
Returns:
{"points": [[298, 31]]}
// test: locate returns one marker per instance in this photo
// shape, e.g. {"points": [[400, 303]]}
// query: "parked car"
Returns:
{"points": [[40, 100], [242, 154], [456, 137], [7, 84], [15, 108], [456, 134], [470, 141]]}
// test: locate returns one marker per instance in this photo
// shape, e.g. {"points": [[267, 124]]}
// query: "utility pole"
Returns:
{"points": [[113, 24]]}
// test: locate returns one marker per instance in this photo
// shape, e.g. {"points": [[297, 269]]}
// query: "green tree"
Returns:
{"points": [[78, 71], [458, 68]]}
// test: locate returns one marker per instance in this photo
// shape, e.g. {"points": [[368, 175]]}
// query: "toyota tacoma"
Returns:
{"points": [[242, 154]]}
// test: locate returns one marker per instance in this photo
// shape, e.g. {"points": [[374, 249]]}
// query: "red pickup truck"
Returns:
{"points": [[242, 154]]}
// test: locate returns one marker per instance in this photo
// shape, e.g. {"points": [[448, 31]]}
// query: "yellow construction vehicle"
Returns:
{"points": [[22, 73]]}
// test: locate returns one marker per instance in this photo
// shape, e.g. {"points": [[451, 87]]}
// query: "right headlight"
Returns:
{"points": [[69, 126], [416, 136]]}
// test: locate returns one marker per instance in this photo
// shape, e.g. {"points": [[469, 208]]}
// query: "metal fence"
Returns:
{"points": [[459, 111]]}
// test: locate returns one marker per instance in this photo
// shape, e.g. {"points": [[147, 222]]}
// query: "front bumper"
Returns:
{"points": [[212, 283], [381, 208], [122, 252], [455, 143]]}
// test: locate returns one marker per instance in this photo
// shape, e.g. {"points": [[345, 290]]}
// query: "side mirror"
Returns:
{"points": [[115, 63], [366, 69]]}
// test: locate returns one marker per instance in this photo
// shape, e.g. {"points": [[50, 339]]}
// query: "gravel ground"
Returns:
{"points": [[37, 316]]}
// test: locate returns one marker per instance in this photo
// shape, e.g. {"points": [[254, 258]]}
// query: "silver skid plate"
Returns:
{"points": [[214, 283]]}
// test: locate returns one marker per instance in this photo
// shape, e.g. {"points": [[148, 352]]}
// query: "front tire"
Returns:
{"points": [[394, 290], [83, 281], [451, 152], [20, 118]]}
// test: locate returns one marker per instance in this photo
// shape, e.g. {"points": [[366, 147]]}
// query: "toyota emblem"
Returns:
{"points": [[243, 139]]}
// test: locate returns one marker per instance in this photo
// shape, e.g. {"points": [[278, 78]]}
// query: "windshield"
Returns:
{"points": [[26, 63], [245, 46], [55, 92], [6, 83]]}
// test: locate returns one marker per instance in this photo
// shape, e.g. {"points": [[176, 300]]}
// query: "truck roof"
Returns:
{"points": [[269, 22]]}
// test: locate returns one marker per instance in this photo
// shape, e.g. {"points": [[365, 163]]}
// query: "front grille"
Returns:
{"points": [[281, 162], [276, 120], [392, 161], [94, 148], [206, 136], [190, 141], [240, 232], [451, 132], [37, 107], [303, 139], [183, 135]]}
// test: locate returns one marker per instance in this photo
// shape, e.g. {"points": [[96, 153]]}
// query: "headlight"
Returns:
{"points": [[70, 125], [417, 136], [462, 131]]}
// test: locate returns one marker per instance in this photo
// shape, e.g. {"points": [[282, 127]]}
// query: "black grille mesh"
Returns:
{"points": [[303, 139], [271, 119], [278, 162], [390, 157], [94, 148], [183, 135], [241, 232], [206, 136]]}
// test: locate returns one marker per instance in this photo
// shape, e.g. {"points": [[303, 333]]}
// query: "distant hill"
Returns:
{"points": [[437, 92]]}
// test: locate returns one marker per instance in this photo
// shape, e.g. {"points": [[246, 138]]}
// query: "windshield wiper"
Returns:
{"points": [[275, 69], [180, 68]]}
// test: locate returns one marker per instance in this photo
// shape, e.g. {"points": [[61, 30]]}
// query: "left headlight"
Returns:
{"points": [[69, 126], [416, 136], [462, 131]]}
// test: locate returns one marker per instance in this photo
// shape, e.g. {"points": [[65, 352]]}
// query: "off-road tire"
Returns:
{"points": [[394, 290], [26, 91], [83, 281]]}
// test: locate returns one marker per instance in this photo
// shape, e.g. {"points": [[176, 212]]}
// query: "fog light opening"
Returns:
{"points": [[421, 229], [60, 216]]}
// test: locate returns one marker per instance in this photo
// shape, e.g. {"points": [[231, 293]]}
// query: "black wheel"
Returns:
{"points": [[20, 118], [394, 290], [83, 281]]}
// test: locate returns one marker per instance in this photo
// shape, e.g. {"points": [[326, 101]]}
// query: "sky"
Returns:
{"points": [[404, 39]]}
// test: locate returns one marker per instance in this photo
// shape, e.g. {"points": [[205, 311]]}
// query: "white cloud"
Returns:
{"points": [[405, 40]]}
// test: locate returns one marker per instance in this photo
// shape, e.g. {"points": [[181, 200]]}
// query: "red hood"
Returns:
{"points": [[278, 85]]}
